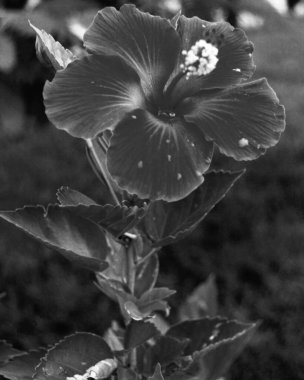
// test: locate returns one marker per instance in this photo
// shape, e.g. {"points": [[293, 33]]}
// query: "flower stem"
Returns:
{"points": [[90, 144]]}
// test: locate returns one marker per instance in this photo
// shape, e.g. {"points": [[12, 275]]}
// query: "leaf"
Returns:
{"points": [[116, 219], [127, 374], [212, 362], [146, 275], [22, 367], [157, 375], [51, 52], [164, 352], [206, 331], [201, 302], [70, 197], [153, 300], [167, 223], [134, 313], [138, 332], [7, 351], [78, 239], [73, 355]]}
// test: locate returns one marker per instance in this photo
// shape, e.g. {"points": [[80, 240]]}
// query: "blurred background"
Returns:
{"points": [[253, 241]]}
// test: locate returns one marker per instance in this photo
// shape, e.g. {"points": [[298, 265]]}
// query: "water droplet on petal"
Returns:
{"points": [[193, 145], [214, 334], [198, 173], [237, 69], [168, 141], [134, 117], [179, 176], [140, 164], [92, 82], [243, 142], [169, 157], [172, 114]]}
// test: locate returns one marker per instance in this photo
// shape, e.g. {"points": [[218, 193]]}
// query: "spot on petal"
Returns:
{"points": [[169, 157], [134, 117], [237, 69], [198, 173], [140, 164], [167, 141], [243, 142], [179, 176]]}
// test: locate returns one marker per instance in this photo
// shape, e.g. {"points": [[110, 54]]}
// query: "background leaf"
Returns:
{"points": [[213, 361], [73, 355], [207, 331], [201, 302]]}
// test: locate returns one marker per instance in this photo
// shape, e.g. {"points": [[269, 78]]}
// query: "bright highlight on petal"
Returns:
{"points": [[201, 59]]}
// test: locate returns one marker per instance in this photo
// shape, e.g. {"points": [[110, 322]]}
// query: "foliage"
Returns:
{"points": [[120, 240]]}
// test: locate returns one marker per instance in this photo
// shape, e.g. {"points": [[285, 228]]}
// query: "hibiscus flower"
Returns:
{"points": [[168, 90]]}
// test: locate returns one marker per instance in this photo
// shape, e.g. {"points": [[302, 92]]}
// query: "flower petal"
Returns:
{"points": [[92, 95], [148, 43], [243, 120], [234, 64], [156, 159]]}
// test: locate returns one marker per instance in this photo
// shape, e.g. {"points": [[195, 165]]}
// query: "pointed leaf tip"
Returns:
{"points": [[51, 52], [157, 373]]}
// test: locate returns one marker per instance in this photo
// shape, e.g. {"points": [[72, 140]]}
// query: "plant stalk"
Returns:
{"points": [[92, 149]]}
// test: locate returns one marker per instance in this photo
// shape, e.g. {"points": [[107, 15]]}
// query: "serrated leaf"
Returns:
{"points": [[201, 302], [138, 332], [78, 239], [206, 331], [7, 351], [51, 52], [213, 361], [71, 356], [70, 197], [22, 367], [166, 223], [116, 219], [157, 375]]}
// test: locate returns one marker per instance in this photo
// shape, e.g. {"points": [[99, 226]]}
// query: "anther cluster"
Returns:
{"points": [[201, 59]]}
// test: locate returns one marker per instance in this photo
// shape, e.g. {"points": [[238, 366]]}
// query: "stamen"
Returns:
{"points": [[201, 59]]}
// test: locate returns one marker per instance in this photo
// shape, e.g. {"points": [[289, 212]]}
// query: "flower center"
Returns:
{"points": [[166, 114], [201, 59]]}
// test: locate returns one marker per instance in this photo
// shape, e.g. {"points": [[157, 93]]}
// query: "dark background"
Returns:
{"points": [[253, 241]]}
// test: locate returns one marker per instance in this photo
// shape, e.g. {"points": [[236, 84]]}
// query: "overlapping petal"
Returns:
{"points": [[148, 43], [92, 95], [235, 62], [158, 159], [243, 120]]}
